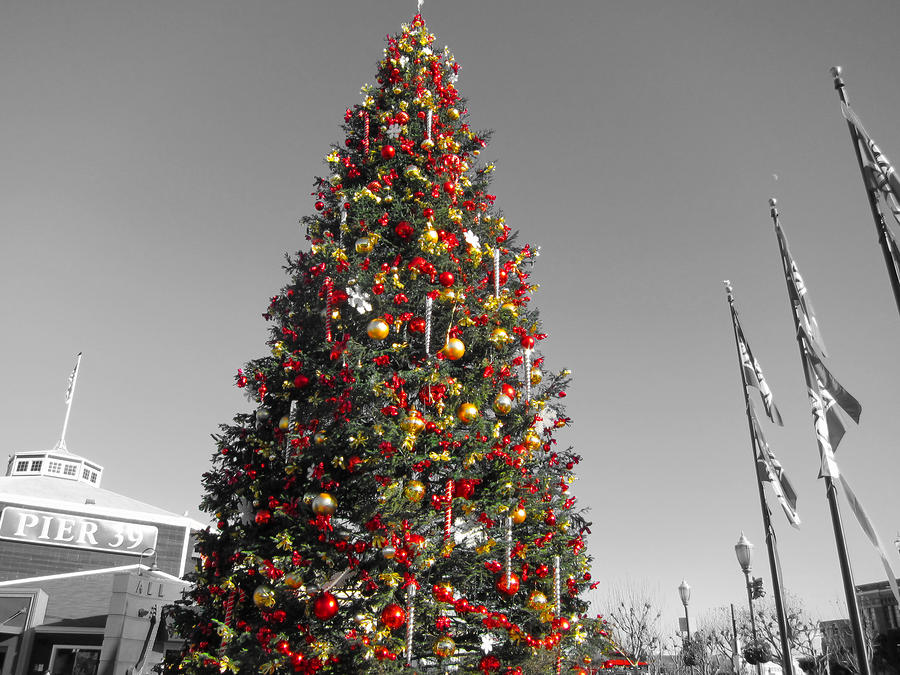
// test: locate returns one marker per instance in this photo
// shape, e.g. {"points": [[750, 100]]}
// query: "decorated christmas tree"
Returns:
{"points": [[397, 501]]}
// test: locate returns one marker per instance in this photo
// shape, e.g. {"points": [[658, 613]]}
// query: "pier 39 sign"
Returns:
{"points": [[68, 529]]}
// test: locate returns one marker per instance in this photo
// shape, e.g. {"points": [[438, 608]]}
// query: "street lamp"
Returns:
{"points": [[685, 592], [744, 552]]}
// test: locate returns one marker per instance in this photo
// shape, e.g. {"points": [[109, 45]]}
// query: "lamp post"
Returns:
{"points": [[744, 552], [147, 551], [685, 592]]}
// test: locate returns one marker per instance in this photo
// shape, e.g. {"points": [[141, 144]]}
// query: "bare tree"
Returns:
{"points": [[633, 613], [838, 643], [803, 631], [718, 632]]}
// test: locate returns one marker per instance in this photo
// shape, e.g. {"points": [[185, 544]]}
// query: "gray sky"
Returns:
{"points": [[155, 158]]}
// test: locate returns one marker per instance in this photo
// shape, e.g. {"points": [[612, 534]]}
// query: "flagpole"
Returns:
{"points": [[70, 394], [830, 487], [877, 216], [771, 544]]}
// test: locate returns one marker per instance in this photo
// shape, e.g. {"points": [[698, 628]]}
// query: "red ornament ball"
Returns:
{"points": [[509, 390], [297, 660], [449, 187], [393, 616], [301, 381], [263, 516], [325, 606], [417, 325], [401, 117], [527, 342], [403, 229], [446, 279], [428, 213], [388, 151], [320, 206], [510, 588], [542, 571]]}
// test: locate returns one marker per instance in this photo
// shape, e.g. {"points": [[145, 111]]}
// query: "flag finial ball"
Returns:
{"points": [[773, 201], [835, 71]]}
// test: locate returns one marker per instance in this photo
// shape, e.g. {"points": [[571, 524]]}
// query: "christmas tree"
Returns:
{"points": [[397, 501]]}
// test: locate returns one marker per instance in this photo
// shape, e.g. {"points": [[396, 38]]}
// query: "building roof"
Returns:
{"points": [[49, 492]]}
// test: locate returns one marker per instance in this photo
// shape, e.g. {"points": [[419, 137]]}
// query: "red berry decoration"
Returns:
{"points": [[542, 571], [325, 606], [320, 206], [510, 588], [528, 342], [446, 279], [387, 152], [263, 516], [428, 213], [393, 616]]}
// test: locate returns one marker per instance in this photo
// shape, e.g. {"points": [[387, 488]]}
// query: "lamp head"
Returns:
{"points": [[744, 552], [685, 592]]}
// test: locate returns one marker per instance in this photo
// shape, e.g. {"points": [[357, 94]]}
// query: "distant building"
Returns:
{"points": [[878, 606], [84, 572]]}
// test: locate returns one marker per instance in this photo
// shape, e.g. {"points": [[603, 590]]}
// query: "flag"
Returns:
{"points": [[823, 437], [881, 175], [770, 470], [71, 387], [827, 381], [797, 290], [753, 372], [863, 518]]}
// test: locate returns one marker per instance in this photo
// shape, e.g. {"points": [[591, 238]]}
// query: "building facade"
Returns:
{"points": [[85, 573]]}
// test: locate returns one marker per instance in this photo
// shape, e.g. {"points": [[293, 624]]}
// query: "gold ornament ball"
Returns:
{"points": [[378, 329], [364, 245], [263, 596], [284, 423], [324, 504], [509, 308], [427, 144], [499, 336], [453, 114], [444, 647], [320, 438], [532, 441], [467, 412], [536, 376], [502, 404], [430, 236], [414, 491], [293, 580], [388, 552], [537, 600], [413, 423], [518, 515], [454, 349]]}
